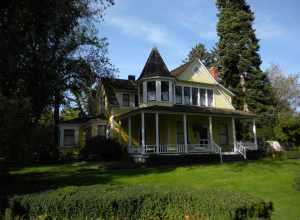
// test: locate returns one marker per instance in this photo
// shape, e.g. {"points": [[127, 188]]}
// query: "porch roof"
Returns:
{"points": [[192, 110]]}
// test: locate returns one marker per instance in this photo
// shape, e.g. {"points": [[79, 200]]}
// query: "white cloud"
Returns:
{"points": [[202, 26], [154, 34]]}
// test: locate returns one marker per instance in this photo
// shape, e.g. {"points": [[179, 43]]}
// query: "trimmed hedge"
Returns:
{"points": [[140, 202]]}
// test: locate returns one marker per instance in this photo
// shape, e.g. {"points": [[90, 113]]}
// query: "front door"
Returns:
{"points": [[203, 136]]}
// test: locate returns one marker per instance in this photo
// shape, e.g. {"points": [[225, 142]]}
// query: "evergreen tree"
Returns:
{"points": [[199, 52], [239, 60]]}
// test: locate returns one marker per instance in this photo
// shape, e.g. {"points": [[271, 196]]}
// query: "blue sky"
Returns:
{"points": [[133, 27]]}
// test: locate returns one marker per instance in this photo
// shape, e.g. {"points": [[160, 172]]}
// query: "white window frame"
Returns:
{"points": [[198, 96]]}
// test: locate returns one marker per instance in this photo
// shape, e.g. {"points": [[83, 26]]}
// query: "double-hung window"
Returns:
{"points": [[178, 94], [151, 91], [69, 137], [187, 95], [203, 97], [210, 97], [126, 99], [195, 96], [164, 91]]}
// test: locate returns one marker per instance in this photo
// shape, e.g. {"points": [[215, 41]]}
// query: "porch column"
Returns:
{"points": [[129, 134], [157, 132], [254, 134], [145, 95], [233, 133], [158, 90], [143, 132], [185, 133], [170, 91], [210, 131]]}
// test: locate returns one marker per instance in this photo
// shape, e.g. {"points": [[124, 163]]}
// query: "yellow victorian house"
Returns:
{"points": [[185, 111]]}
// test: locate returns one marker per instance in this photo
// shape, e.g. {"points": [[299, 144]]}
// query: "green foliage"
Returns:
{"points": [[21, 139], [47, 49], [239, 62], [209, 58], [141, 202], [288, 130], [102, 148], [69, 113]]}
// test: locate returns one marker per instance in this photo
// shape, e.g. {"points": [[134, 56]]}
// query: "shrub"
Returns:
{"points": [[103, 148], [140, 202]]}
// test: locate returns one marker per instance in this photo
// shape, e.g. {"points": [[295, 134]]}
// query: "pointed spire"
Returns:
{"points": [[155, 66]]}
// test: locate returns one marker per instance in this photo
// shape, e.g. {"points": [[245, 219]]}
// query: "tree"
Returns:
{"points": [[239, 61], [238, 54], [286, 88], [47, 48], [199, 52]]}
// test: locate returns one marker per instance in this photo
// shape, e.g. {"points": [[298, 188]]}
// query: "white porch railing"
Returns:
{"points": [[240, 147], [249, 145], [203, 146], [217, 149]]}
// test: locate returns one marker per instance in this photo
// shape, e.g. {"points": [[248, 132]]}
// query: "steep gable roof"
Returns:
{"points": [[111, 85], [179, 70], [155, 66]]}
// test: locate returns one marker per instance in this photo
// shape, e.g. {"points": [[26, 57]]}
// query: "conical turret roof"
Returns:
{"points": [[155, 66]]}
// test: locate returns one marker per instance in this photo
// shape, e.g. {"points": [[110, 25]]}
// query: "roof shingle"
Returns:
{"points": [[155, 66]]}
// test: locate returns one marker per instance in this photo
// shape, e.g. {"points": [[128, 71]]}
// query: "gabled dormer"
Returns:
{"points": [[155, 84]]}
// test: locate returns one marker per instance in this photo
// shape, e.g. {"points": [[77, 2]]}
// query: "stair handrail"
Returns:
{"points": [[217, 149], [241, 148]]}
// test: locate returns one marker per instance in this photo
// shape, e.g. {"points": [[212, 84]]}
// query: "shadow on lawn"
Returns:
{"points": [[30, 182]]}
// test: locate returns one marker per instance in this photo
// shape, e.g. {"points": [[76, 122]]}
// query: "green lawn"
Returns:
{"points": [[270, 180]]}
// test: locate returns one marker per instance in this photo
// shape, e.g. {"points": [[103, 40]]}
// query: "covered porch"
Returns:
{"points": [[172, 131]]}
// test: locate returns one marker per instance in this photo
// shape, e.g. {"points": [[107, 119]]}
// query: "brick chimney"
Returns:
{"points": [[131, 77], [214, 72]]}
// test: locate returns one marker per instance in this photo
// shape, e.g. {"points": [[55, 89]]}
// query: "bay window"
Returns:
{"points": [[178, 94], [210, 97], [151, 91], [203, 97], [164, 91], [195, 96], [187, 95]]}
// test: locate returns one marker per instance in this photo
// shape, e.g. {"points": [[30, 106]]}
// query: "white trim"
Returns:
{"points": [[170, 92], [143, 131], [157, 132], [210, 130], [191, 96], [145, 93], [216, 82], [157, 90], [254, 134], [226, 99], [185, 133], [233, 134]]}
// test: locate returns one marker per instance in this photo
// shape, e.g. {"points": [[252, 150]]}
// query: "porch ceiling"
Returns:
{"points": [[191, 110]]}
